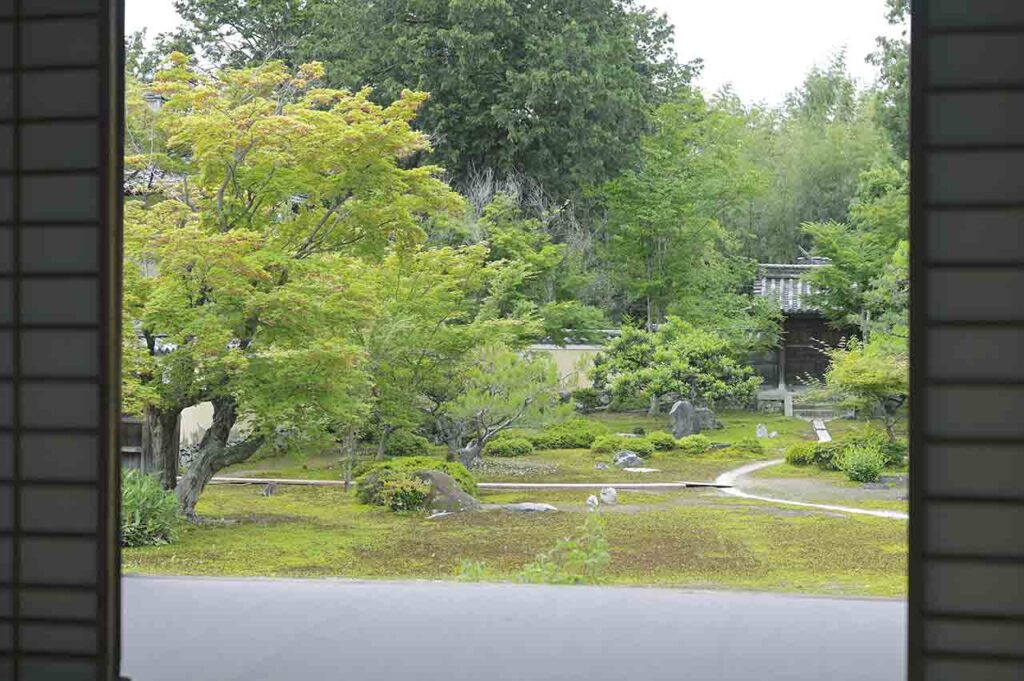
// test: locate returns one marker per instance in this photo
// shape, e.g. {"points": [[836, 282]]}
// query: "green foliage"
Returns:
{"points": [[801, 453], [149, 513], [404, 443], [587, 399], [662, 441], [509, 446], [693, 445], [581, 559], [611, 444], [501, 388], [862, 463], [571, 434], [873, 378], [677, 359], [472, 571], [370, 485], [560, 95], [747, 447], [828, 456], [404, 494], [666, 248]]}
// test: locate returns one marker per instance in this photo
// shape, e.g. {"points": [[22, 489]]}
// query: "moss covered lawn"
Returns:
{"points": [[706, 541]]}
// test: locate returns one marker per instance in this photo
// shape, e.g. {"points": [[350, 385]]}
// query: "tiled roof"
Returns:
{"points": [[785, 284]]}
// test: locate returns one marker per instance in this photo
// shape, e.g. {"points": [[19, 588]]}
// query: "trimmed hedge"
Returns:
{"points": [[571, 434], [662, 441], [370, 485], [509, 446], [693, 445], [610, 444]]}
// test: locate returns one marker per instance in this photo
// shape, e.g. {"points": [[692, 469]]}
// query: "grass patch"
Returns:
{"points": [[310, 532], [838, 478]]}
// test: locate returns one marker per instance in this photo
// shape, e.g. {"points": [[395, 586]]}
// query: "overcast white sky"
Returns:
{"points": [[763, 47]]}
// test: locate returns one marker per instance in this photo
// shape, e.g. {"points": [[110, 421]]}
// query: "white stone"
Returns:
{"points": [[642, 470], [592, 503], [609, 495]]}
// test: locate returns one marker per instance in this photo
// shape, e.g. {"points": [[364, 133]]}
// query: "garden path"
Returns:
{"points": [[733, 483]]}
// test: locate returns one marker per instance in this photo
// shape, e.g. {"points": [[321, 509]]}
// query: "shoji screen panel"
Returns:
{"points": [[60, 103], [967, 515]]}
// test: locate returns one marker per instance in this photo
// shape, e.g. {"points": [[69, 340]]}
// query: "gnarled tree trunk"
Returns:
{"points": [[161, 443], [214, 454], [471, 453]]}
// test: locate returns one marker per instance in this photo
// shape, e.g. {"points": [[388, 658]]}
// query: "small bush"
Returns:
{"points": [[863, 464], [750, 447], [609, 444], [800, 454], [404, 443], [404, 494], [640, 430], [662, 441], [571, 434], [587, 399], [828, 456], [149, 513], [370, 485], [693, 445], [509, 446], [895, 453]]}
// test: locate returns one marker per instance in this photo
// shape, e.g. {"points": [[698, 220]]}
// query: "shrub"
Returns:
{"points": [[404, 494], [693, 445], [576, 560], [640, 430], [747, 447], [571, 434], [863, 463], [828, 456], [509, 446], [370, 485], [149, 513], [404, 443], [662, 441], [606, 444], [609, 444], [800, 454], [895, 453], [587, 399]]}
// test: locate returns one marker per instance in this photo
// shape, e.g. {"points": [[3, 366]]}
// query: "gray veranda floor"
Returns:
{"points": [[255, 630]]}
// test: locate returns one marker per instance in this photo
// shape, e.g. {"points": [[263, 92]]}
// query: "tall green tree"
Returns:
{"points": [[812, 152], [244, 261], [558, 91], [893, 61], [665, 245], [863, 285]]}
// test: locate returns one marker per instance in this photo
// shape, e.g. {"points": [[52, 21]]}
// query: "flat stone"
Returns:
{"points": [[529, 507], [642, 470]]}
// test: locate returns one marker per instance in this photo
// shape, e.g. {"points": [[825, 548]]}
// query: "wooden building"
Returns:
{"points": [[785, 370]]}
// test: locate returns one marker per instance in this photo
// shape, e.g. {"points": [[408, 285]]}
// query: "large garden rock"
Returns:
{"points": [[609, 495], [627, 458], [684, 419], [706, 419], [446, 494]]}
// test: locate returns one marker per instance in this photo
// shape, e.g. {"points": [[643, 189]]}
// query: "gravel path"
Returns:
{"points": [[734, 482]]}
